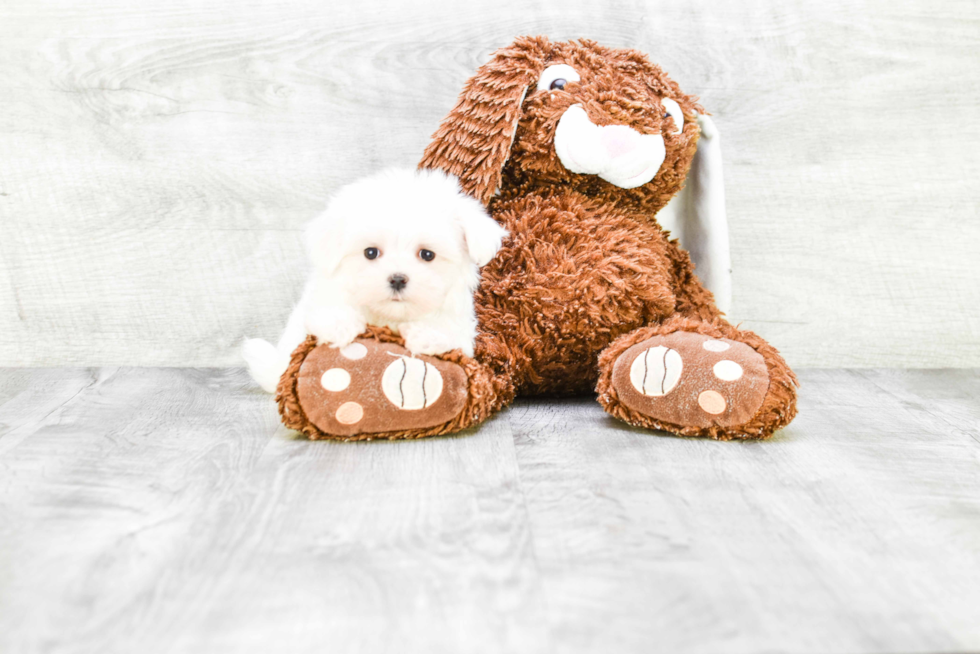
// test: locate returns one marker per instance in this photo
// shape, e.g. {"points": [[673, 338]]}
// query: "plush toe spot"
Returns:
{"points": [[712, 402], [657, 371], [354, 351], [335, 380], [727, 370], [715, 346], [411, 384], [349, 413]]}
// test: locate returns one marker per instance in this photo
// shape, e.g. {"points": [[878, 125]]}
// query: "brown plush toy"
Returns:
{"points": [[574, 148]]}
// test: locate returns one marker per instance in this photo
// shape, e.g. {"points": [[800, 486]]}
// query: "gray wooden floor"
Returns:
{"points": [[164, 510]]}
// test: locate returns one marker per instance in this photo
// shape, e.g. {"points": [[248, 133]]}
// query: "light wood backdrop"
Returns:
{"points": [[157, 160]]}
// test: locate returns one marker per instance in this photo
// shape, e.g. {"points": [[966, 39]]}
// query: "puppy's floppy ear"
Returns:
{"points": [[326, 238], [482, 234], [474, 140]]}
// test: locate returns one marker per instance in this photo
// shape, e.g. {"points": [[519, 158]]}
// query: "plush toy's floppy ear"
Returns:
{"points": [[696, 217], [473, 142]]}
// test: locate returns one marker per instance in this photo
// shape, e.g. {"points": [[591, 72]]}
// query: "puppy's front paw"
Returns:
{"points": [[338, 327], [423, 339]]}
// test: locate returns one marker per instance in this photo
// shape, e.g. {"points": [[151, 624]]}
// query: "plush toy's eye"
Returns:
{"points": [[674, 109], [371, 253], [426, 255], [554, 78]]}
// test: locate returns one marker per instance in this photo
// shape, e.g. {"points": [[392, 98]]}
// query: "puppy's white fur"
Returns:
{"points": [[399, 212]]}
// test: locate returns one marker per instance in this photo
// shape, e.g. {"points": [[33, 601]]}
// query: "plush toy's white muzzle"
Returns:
{"points": [[616, 153]]}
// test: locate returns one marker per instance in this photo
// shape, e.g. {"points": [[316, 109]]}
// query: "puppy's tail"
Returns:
{"points": [[265, 363]]}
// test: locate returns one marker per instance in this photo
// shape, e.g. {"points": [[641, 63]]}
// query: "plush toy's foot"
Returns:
{"points": [[699, 384], [376, 389], [692, 380]]}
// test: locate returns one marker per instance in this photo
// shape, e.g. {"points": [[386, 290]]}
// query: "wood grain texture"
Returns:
{"points": [[854, 530], [163, 510], [159, 160]]}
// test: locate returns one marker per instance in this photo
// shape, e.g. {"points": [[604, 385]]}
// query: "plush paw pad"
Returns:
{"points": [[656, 371], [412, 384], [690, 379], [370, 387]]}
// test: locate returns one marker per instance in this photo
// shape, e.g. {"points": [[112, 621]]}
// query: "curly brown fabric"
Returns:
{"points": [[587, 271]]}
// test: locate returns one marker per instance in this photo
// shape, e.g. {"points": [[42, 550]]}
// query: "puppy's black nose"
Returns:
{"points": [[398, 281]]}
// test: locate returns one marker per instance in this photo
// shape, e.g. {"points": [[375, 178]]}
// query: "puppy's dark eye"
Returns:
{"points": [[559, 84], [371, 253], [426, 255]]}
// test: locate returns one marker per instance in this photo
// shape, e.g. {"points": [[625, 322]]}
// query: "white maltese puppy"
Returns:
{"points": [[399, 249]]}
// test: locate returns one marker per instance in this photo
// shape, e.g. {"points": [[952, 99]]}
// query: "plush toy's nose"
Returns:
{"points": [[617, 153], [398, 281]]}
